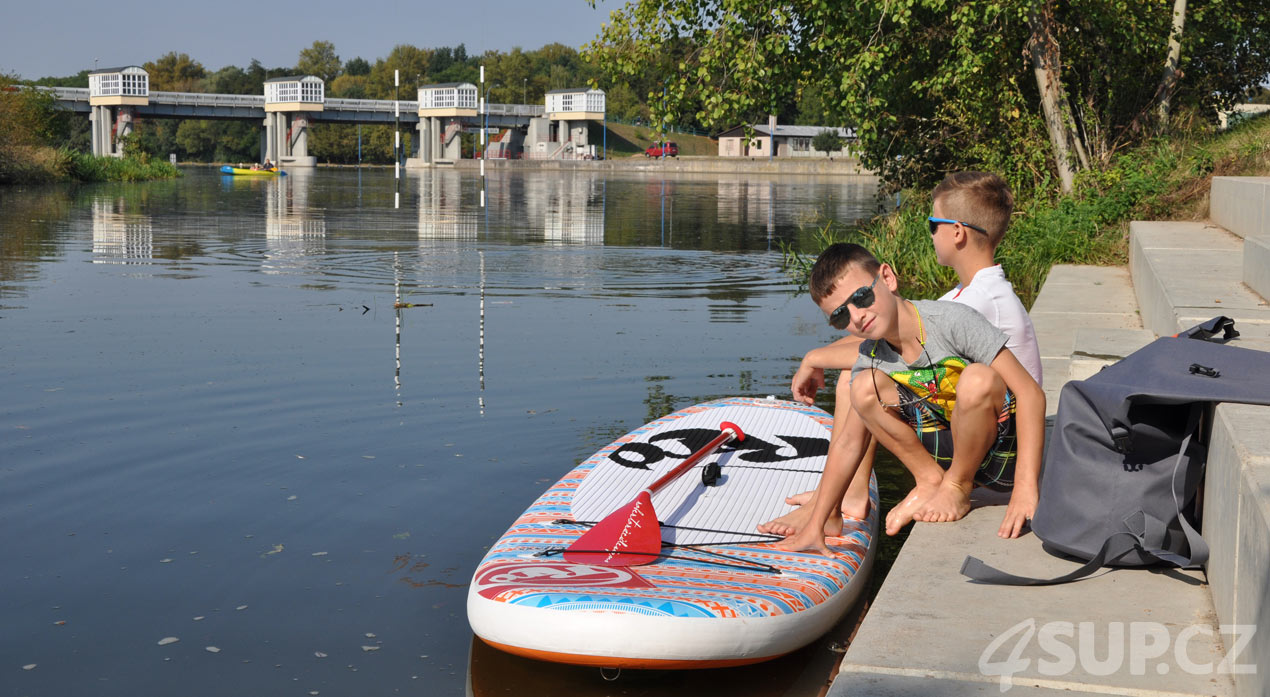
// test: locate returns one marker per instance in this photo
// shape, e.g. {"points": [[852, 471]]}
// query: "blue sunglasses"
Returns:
{"points": [[934, 224]]}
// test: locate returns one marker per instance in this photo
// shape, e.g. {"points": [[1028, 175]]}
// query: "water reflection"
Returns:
{"points": [[120, 237], [294, 232], [446, 211], [571, 208]]}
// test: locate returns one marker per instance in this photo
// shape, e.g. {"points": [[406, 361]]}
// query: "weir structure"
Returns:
{"points": [[117, 97]]}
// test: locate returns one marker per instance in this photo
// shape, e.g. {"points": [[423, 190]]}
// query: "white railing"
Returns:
{"points": [[70, 94], [371, 105], [81, 94], [515, 109], [205, 99]]}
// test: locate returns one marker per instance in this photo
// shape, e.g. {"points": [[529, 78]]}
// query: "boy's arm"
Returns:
{"points": [[847, 445], [810, 376], [1029, 420]]}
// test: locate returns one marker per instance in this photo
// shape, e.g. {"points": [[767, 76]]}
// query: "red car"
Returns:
{"points": [[667, 149]]}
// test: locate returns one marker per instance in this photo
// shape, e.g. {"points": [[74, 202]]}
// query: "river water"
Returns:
{"points": [[229, 466]]}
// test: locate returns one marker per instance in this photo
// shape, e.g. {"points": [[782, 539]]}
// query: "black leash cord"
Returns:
{"points": [[753, 536], [734, 564]]}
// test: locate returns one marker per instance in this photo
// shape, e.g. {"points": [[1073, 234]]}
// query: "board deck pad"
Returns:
{"points": [[526, 598], [777, 454]]}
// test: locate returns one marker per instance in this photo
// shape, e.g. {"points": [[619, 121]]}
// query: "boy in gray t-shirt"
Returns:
{"points": [[935, 385]]}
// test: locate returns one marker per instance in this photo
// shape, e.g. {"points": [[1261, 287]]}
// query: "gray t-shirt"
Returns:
{"points": [[955, 336]]}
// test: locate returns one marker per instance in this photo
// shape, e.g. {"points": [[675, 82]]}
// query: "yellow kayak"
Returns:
{"points": [[251, 172]]}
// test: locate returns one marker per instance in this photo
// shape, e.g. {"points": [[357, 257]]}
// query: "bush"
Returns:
{"points": [[826, 141]]}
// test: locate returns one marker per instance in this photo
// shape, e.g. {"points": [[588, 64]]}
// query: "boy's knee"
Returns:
{"points": [[980, 385], [862, 393]]}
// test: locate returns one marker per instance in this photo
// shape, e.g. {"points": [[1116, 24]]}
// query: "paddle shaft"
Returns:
{"points": [[631, 535], [729, 431]]}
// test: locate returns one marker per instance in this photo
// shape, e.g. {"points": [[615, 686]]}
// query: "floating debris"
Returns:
{"points": [[320, 554], [319, 654], [168, 640], [292, 497], [199, 618], [370, 648], [166, 561], [213, 649], [60, 623], [370, 635], [29, 666], [276, 548], [241, 607]]}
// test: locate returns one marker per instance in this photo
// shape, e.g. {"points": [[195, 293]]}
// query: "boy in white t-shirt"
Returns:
{"points": [[969, 216]]}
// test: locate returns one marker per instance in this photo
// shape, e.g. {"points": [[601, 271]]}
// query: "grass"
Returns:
{"points": [[1167, 179], [627, 141], [40, 164]]}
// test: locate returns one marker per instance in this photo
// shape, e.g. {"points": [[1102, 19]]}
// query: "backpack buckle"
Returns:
{"points": [[1197, 369], [1122, 439]]}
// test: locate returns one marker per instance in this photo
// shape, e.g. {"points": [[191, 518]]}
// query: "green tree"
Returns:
{"points": [[175, 72], [933, 86], [320, 60], [357, 66]]}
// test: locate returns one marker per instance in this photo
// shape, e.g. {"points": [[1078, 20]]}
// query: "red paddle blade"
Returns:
{"points": [[629, 536]]}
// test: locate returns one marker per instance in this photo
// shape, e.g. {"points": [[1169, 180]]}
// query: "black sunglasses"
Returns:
{"points": [[861, 298], [934, 224]]}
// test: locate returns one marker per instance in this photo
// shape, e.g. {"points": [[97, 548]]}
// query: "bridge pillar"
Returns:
{"points": [[298, 147], [125, 115], [419, 146], [103, 131], [270, 150]]}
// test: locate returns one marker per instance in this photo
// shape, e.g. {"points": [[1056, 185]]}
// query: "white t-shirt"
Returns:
{"points": [[994, 298]]}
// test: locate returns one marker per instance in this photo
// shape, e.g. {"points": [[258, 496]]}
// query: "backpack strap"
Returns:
{"points": [[1141, 527]]}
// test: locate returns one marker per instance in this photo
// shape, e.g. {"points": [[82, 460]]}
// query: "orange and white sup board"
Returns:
{"points": [[719, 593]]}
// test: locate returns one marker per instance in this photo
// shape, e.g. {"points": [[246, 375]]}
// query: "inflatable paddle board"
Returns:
{"points": [[718, 593]]}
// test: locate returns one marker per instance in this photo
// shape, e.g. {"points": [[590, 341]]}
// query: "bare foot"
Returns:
{"points": [[854, 506], [951, 502], [805, 541], [797, 519], [906, 511], [800, 499]]}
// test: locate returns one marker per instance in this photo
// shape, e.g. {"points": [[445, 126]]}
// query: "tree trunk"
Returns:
{"points": [[1168, 81], [1043, 49]]}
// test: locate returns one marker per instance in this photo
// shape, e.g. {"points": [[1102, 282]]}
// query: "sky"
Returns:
{"points": [[62, 37]]}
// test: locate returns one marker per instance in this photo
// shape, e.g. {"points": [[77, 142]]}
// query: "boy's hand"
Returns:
{"points": [[1019, 513], [807, 381], [808, 539]]}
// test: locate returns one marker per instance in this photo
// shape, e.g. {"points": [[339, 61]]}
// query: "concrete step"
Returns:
{"points": [[1092, 297], [1186, 272], [1257, 264], [1096, 349], [1241, 205]]}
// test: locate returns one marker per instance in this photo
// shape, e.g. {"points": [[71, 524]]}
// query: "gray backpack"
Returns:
{"points": [[1126, 459]]}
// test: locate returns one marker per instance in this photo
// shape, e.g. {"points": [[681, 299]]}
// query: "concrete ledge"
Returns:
{"points": [[1237, 528], [1185, 273], [931, 624], [1257, 264], [1241, 204]]}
